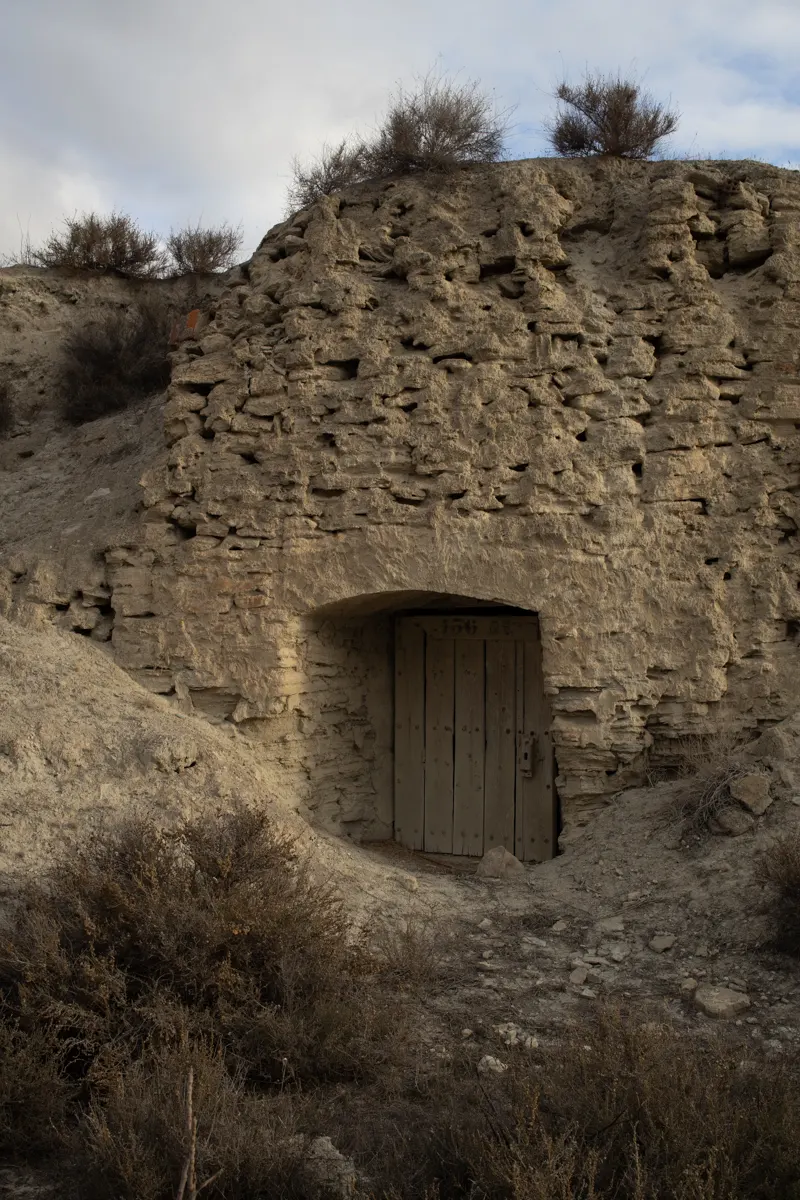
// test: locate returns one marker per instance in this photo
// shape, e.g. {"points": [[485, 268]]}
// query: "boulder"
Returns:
{"points": [[326, 1173], [731, 821], [752, 792], [499, 863], [718, 1001]]}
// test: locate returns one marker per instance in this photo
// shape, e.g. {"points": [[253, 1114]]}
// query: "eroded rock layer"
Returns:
{"points": [[567, 387]]}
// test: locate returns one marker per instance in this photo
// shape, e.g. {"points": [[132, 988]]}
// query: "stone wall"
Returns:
{"points": [[570, 387]]}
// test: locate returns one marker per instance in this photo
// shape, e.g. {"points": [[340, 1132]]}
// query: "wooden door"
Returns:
{"points": [[473, 750]]}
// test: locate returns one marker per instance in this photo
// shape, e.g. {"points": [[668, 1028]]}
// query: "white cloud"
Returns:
{"points": [[172, 108]]}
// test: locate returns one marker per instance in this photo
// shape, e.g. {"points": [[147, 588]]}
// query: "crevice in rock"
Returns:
{"points": [[348, 365], [501, 266]]}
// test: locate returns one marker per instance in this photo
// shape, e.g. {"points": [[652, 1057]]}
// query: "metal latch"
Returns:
{"points": [[527, 757]]}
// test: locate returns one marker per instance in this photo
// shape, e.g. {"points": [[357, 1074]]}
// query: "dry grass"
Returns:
{"points": [[611, 117], [779, 870], [34, 1090], [198, 251], [116, 361], [25, 256], [636, 1111], [104, 244], [180, 1011], [625, 1107], [147, 953], [176, 1123], [706, 766]]}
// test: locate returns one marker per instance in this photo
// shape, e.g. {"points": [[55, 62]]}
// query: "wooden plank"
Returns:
{"points": [[499, 778], [521, 789], [479, 628], [538, 803], [439, 716], [409, 736], [470, 741]]}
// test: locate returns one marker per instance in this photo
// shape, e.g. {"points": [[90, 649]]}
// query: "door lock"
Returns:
{"points": [[528, 756]]}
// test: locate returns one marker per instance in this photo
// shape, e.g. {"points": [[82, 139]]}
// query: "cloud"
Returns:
{"points": [[172, 110]]}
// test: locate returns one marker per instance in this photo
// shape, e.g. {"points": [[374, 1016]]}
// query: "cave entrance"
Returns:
{"points": [[473, 753]]}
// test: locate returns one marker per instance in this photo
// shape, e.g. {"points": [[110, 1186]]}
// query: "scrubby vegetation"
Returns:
{"points": [[180, 1011], [115, 361], [335, 168], [610, 117], [434, 128], [116, 244], [198, 251], [437, 127], [95, 243], [705, 769], [779, 870]]}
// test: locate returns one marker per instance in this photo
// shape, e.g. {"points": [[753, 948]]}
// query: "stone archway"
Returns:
{"points": [[427, 721]]}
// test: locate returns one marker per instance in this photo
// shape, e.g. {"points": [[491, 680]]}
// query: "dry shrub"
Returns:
{"points": [[707, 766], [115, 361], [609, 117], [779, 869], [197, 251], [216, 930], [411, 954], [179, 1112], [34, 1092], [25, 256], [6, 409], [436, 127], [636, 1110], [96, 243], [335, 168], [624, 1107], [208, 955]]}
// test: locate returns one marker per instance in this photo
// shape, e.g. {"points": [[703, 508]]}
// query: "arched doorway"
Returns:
{"points": [[472, 755]]}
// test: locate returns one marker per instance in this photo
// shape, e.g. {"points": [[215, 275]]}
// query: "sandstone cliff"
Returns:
{"points": [[567, 387]]}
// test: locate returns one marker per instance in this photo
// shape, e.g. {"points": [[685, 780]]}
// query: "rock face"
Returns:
{"points": [[566, 387], [718, 1001], [499, 863]]}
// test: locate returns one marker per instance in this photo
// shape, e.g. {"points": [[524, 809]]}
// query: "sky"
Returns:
{"points": [[185, 111]]}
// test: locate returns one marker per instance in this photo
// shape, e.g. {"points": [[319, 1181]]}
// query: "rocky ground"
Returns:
{"points": [[629, 910]]}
